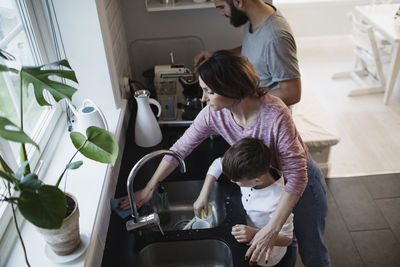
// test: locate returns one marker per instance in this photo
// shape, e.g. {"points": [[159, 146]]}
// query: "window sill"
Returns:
{"points": [[90, 184]]}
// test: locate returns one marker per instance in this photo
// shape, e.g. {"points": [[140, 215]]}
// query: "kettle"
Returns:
{"points": [[88, 114], [147, 130]]}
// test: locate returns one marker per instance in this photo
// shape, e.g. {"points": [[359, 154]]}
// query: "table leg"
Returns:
{"points": [[393, 72]]}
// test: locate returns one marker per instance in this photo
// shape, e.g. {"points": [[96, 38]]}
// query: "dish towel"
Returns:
{"points": [[115, 207]]}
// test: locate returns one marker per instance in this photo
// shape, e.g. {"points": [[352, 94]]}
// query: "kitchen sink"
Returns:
{"points": [[181, 196], [205, 253]]}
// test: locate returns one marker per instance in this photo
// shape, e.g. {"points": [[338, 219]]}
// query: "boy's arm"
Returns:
{"points": [[202, 200], [213, 174]]}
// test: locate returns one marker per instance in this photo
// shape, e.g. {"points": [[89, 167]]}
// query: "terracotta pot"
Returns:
{"points": [[66, 239]]}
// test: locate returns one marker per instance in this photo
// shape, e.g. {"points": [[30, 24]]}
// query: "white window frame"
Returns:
{"points": [[35, 13]]}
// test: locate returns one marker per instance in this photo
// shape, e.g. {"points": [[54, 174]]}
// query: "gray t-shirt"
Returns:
{"points": [[272, 51]]}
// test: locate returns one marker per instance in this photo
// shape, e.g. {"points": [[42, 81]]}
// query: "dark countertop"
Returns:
{"points": [[122, 247]]}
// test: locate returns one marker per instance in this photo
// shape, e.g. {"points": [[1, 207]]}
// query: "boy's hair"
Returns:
{"points": [[247, 159]]}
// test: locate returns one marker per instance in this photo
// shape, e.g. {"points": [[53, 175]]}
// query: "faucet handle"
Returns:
{"points": [[144, 221]]}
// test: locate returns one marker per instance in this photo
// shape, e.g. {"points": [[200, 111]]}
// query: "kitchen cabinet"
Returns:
{"points": [[155, 5]]}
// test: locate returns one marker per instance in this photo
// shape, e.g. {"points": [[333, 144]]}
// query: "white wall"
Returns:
{"points": [[116, 46], [307, 18], [80, 30], [207, 24], [311, 18]]}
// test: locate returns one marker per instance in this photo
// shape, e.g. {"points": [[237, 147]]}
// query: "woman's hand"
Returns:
{"points": [[243, 233], [144, 195], [125, 204], [262, 243], [141, 197], [199, 204]]}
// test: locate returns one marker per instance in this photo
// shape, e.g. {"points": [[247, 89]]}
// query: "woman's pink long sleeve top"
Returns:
{"points": [[274, 125]]}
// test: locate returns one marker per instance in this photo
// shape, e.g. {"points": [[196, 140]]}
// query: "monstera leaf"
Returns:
{"points": [[100, 145], [44, 207], [42, 79], [12, 132]]}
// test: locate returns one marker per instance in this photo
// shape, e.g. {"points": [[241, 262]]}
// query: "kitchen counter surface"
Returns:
{"points": [[122, 247]]}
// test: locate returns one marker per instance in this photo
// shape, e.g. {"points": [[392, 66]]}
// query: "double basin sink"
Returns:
{"points": [[178, 212]]}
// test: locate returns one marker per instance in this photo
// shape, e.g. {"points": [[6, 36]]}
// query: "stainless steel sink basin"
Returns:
{"points": [[205, 253], [181, 196]]}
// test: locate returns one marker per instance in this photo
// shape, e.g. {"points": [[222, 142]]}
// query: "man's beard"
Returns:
{"points": [[237, 18]]}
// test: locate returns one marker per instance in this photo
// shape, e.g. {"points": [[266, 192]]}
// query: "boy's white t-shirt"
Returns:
{"points": [[260, 205]]}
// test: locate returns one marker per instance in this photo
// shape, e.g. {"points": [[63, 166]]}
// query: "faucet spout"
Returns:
{"points": [[136, 169]]}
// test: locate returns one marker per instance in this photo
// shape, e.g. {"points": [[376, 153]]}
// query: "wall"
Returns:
{"points": [[308, 18], [83, 41], [311, 18], [116, 46], [214, 30]]}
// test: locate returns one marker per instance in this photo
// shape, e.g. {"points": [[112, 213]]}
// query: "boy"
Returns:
{"points": [[246, 164]]}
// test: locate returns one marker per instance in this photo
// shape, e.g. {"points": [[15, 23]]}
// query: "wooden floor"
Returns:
{"points": [[363, 222], [369, 131]]}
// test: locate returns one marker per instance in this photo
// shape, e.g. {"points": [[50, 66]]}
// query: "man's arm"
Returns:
{"points": [[204, 55], [236, 50], [289, 91]]}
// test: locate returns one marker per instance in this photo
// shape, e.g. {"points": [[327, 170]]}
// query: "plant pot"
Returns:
{"points": [[66, 239]]}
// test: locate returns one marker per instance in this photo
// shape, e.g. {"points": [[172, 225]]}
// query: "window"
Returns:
{"points": [[22, 34]]}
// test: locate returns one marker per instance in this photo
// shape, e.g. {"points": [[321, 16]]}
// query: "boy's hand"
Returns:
{"points": [[243, 233], [199, 204]]}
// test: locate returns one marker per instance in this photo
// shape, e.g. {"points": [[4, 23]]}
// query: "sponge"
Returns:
{"points": [[210, 210]]}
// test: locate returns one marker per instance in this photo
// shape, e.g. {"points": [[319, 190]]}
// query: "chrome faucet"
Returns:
{"points": [[139, 222]]}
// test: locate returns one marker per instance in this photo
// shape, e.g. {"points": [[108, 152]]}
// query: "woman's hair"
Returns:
{"points": [[230, 75], [249, 158]]}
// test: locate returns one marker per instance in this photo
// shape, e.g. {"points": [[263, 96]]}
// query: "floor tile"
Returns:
{"points": [[298, 261], [377, 248], [340, 245], [383, 186], [356, 205], [390, 209]]}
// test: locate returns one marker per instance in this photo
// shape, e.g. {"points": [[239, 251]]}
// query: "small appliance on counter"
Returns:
{"points": [[192, 93], [178, 93]]}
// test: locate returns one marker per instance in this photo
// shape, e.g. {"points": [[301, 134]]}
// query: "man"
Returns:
{"points": [[268, 44]]}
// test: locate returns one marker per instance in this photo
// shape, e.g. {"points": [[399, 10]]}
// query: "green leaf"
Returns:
{"points": [[21, 170], [7, 176], [74, 165], [30, 182], [40, 79], [12, 132], [45, 207], [4, 166], [5, 68], [100, 144]]}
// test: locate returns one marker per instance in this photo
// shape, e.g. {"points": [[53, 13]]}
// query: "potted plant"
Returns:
{"points": [[42, 204]]}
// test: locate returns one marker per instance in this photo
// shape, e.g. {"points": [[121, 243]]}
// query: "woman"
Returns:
{"points": [[237, 108]]}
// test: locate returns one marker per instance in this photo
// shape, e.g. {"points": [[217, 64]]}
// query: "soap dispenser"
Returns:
{"points": [[163, 213]]}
